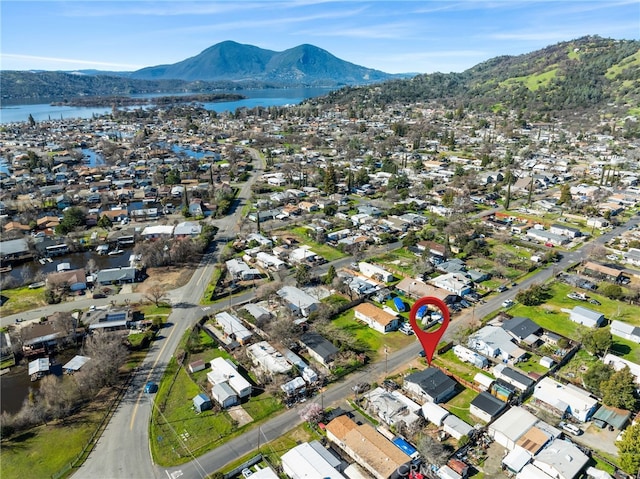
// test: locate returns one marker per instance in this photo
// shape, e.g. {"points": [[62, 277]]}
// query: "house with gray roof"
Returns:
{"points": [[586, 317], [521, 328], [319, 348], [116, 276], [486, 407], [300, 302], [494, 341], [430, 385], [625, 330], [513, 377]]}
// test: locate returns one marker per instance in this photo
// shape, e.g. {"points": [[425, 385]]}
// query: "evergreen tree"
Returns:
{"points": [[629, 449], [330, 180], [619, 390]]}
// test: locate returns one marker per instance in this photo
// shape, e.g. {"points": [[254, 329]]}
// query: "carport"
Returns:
{"points": [[611, 416]]}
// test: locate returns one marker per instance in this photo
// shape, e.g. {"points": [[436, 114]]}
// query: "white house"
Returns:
{"points": [[566, 398], [457, 283], [225, 371], [493, 341], [299, 302], [586, 317], [625, 330], [233, 327], [508, 428], [269, 261], [619, 363], [376, 318], [308, 462], [561, 459], [268, 358], [372, 271]]}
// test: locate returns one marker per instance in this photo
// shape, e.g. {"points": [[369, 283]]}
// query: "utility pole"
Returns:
{"points": [[386, 359]]}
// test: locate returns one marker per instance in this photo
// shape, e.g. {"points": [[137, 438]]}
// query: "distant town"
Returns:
{"points": [[231, 292]]}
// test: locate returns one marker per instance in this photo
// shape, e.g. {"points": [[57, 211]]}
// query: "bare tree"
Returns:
{"points": [[157, 293], [108, 353]]}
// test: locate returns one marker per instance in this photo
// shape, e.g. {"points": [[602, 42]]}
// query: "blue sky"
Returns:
{"points": [[392, 36]]}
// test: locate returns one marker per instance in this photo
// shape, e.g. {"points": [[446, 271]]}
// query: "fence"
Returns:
{"points": [[80, 458]]}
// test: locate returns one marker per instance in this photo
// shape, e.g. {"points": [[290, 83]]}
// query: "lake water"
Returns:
{"points": [[269, 97]]}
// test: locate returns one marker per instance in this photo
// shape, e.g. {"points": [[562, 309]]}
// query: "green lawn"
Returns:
{"points": [[174, 415], [327, 252], [374, 340], [461, 369], [532, 365], [45, 450], [459, 405], [550, 316], [22, 299]]}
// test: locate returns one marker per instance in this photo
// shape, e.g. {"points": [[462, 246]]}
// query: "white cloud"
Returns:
{"points": [[53, 63]]}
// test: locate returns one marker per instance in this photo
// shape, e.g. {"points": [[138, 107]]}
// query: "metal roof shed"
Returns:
{"points": [[202, 402], [75, 364]]}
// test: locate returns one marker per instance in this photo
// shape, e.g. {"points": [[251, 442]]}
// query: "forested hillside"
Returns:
{"points": [[585, 74]]}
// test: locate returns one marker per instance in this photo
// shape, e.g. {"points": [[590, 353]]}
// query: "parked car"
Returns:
{"points": [[508, 303], [406, 329], [575, 430], [246, 472], [594, 301], [360, 388], [150, 387], [390, 385], [502, 289]]}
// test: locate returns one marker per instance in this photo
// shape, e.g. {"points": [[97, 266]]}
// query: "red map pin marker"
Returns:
{"points": [[429, 341]]}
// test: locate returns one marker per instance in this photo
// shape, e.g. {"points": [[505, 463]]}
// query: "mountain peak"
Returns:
{"points": [[304, 64]]}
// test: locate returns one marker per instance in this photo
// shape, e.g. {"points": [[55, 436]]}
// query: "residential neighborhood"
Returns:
{"points": [[321, 231]]}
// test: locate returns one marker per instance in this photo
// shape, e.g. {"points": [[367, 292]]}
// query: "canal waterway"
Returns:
{"points": [[16, 384]]}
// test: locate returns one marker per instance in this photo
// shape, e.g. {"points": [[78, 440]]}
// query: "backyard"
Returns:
{"points": [[177, 431]]}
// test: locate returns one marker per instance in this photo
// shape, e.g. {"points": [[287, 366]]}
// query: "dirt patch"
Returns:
{"points": [[169, 276], [240, 415]]}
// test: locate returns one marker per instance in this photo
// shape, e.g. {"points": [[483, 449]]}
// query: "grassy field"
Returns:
{"points": [[173, 416], [22, 299], [177, 431], [374, 340], [459, 405], [327, 252], [550, 315], [45, 450], [461, 369]]}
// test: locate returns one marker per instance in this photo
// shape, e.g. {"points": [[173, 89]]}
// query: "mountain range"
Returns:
{"points": [[587, 73], [227, 65]]}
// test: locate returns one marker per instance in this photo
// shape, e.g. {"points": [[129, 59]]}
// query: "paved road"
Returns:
{"points": [[123, 449], [335, 394]]}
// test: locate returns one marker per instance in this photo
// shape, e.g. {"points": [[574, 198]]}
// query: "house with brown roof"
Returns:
{"points": [[47, 222], [376, 318], [15, 226], [75, 279], [370, 449], [596, 270]]}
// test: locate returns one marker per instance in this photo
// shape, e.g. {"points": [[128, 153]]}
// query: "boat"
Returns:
{"points": [[115, 252]]}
